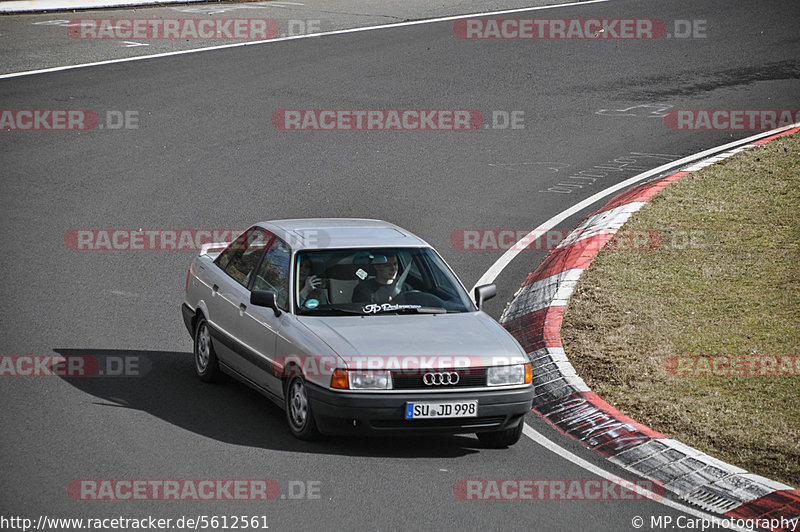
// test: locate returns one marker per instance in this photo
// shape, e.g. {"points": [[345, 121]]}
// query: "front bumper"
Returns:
{"points": [[188, 318], [375, 413]]}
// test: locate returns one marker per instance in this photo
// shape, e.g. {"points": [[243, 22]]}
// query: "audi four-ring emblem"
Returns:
{"points": [[440, 379]]}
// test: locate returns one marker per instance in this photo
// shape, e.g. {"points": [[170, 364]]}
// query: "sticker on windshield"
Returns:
{"points": [[361, 274], [312, 303], [386, 307]]}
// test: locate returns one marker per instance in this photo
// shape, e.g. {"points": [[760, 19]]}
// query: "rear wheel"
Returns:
{"points": [[206, 365], [298, 410], [501, 438]]}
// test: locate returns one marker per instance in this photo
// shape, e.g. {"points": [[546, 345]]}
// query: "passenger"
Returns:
{"points": [[382, 288], [311, 286]]}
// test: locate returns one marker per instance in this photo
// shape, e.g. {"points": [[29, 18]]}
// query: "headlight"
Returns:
{"points": [[361, 379], [508, 375]]}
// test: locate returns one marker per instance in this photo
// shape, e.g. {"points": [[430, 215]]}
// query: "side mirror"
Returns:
{"points": [[265, 298], [484, 293]]}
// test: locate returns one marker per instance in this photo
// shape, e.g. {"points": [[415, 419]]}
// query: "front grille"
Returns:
{"points": [[412, 380]]}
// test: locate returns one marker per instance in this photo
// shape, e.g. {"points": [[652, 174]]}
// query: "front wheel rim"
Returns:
{"points": [[298, 404]]}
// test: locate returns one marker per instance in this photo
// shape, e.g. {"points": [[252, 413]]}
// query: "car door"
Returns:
{"points": [[229, 294], [259, 328]]}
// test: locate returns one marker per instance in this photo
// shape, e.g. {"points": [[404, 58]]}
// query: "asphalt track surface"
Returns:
{"points": [[41, 40], [206, 156]]}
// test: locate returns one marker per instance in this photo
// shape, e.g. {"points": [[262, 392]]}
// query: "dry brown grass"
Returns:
{"points": [[734, 290]]}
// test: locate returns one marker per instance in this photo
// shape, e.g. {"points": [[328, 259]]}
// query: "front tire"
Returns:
{"points": [[298, 410], [501, 438], [206, 365]]}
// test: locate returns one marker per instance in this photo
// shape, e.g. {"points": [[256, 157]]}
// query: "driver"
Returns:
{"points": [[311, 286], [384, 286]]}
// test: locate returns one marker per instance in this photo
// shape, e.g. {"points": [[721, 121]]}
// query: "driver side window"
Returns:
{"points": [[273, 273]]}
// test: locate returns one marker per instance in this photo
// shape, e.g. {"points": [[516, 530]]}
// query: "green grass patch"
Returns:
{"points": [[724, 282]]}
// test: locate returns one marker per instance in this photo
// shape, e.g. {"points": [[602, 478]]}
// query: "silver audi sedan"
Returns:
{"points": [[355, 327]]}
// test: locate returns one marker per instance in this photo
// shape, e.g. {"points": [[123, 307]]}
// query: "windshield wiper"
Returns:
{"points": [[331, 311], [422, 310]]}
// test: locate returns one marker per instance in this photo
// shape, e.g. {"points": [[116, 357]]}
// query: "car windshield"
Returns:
{"points": [[376, 281]]}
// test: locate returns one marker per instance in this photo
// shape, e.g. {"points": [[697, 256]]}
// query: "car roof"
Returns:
{"points": [[333, 233]]}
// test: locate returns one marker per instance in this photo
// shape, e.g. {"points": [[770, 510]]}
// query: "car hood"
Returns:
{"points": [[474, 337]]}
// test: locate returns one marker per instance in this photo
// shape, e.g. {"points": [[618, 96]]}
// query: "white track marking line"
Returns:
{"points": [[580, 462], [500, 264], [293, 37]]}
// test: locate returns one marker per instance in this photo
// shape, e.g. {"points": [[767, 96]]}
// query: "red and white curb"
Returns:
{"points": [[562, 398]]}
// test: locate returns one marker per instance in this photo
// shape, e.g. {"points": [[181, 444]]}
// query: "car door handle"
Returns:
{"points": [[242, 307], [214, 289]]}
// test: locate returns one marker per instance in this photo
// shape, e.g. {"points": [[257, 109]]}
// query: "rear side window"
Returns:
{"points": [[273, 273], [242, 256], [224, 258]]}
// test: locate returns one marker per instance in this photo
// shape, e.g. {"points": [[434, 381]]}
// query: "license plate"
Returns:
{"points": [[442, 410]]}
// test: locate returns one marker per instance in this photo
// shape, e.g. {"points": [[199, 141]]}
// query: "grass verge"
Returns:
{"points": [[723, 283]]}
